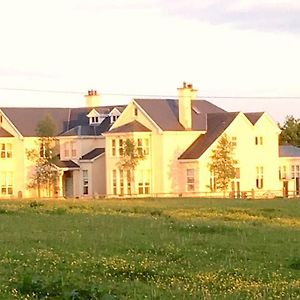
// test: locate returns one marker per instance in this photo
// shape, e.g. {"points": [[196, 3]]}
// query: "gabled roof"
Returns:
{"points": [[25, 119], [133, 126], [254, 116], [93, 154], [289, 151], [165, 113], [4, 133], [68, 164], [216, 124]]}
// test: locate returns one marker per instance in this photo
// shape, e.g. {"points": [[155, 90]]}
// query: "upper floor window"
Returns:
{"points": [[95, 120], [113, 147], [259, 140], [113, 118], [143, 146], [66, 150], [6, 150], [1, 119], [121, 147], [73, 148], [136, 111], [234, 141], [190, 180], [295, 171]]}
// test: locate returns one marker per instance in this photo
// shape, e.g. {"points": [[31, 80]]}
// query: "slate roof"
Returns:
{"points": [[25, 119], [216, 124], [133, 126], [164, 112], [93, 154], [289, 151], [254, 116], [66, 164], [4, 133]]}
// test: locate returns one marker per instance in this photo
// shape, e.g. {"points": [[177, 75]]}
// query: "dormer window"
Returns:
{"points": [[94, 117], [114, 115], [95, 120]]}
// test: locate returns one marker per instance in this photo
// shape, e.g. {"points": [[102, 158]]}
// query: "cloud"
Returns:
{"points": [[264, 15]]}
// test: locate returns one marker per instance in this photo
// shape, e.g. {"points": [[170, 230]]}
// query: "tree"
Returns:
{"points": [[45, 175], [290, 133], [131, 157], [222, 164]]}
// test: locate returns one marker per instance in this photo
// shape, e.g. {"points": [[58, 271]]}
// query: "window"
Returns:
{"points": [[234, 141], [135, 112], [259, 140], [73, 149], [259, 177], [6, 150], [146, 146], [140, 146], [66, 150], [144, 182], [113, 147], [1, 118], [113, 118], [121, 182], [295, 171], [114, 180], [212, 182], [6, 179], [282, 172], [95, 120], [128, 177], [121, 147], [85, 177], [190, 180], [143, 146]]}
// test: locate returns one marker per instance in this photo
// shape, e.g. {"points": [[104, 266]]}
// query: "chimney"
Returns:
{"points": [[185, 96], [92, 99]]}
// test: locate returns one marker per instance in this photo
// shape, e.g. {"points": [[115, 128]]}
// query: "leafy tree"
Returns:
{"points": [[222, 164], [132, 155], [290, 133], [43, 156]]}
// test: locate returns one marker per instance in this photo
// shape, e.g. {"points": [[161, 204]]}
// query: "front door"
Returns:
{"points": [[68, 184], [285, 189]]}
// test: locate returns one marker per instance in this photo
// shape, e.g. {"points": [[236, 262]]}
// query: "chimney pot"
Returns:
{"points": [[184, 84]]}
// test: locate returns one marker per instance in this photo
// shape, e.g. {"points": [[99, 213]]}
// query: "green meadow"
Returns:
{"points": [[150, 249]]}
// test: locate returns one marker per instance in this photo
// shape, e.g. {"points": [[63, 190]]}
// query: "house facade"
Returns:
{"points": [[177, 138], [80, 162]]}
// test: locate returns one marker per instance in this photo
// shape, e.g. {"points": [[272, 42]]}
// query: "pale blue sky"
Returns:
{"points": [[225, 48]]}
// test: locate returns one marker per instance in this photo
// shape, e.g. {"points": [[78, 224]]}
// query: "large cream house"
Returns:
{"points": [[80, 148], [176, 137]]}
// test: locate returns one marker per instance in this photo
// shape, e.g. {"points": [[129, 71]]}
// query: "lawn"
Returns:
{"points": [[150, 249]]}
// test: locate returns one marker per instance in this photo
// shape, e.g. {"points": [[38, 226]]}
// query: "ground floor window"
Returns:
{"points": [[6, 181], [144, 182], [260, 177], [85, 178], [212, 182], [190, 180]]}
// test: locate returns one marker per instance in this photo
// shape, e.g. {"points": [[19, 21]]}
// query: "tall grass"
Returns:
{"points": [[150, 249]]}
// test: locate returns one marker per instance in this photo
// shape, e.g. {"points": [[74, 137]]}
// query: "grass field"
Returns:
{"points": [[150, 249]]}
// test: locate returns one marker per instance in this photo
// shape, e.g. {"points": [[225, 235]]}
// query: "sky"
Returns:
{"points": [[54, 51]]}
